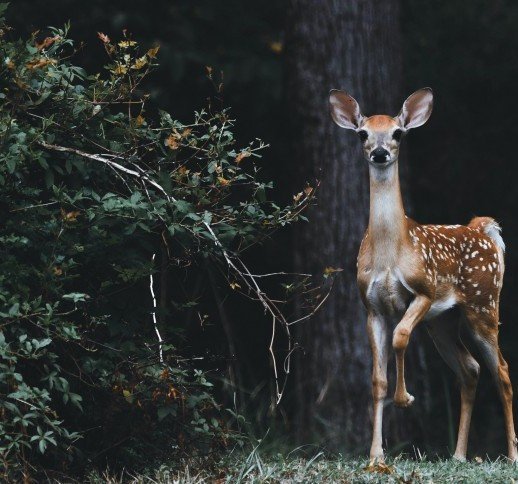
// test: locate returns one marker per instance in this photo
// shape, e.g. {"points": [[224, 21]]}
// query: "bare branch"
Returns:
{"points": [[106, 161], [234, 263], [153, 313]]}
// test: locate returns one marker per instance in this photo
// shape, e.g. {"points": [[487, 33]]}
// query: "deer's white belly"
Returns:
{"points": [[388, 293], [447, 301]]}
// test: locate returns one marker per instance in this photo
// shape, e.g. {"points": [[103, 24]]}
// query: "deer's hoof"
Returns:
{"points": [[459, 457], [376, 456], [404, 400]]}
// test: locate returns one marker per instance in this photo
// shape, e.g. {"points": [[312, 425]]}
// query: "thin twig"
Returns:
{"points": [[153, 313], [234, 263], [106, 161], [33, 206]]}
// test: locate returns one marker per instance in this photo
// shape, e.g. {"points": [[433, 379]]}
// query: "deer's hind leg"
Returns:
{"points": [[484, 328], [444, 331]]}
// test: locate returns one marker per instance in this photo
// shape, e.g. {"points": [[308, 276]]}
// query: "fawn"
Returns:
{"points": [[408, 272]]}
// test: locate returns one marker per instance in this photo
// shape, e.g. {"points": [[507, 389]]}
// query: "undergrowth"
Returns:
{"points": [[255, 468]]}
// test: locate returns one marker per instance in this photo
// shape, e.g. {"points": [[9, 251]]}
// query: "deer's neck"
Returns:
{"points": [[387, 221]]}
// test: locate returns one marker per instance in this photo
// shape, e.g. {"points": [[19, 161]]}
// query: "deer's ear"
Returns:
{"points": [[345, 111], [416, 109]]}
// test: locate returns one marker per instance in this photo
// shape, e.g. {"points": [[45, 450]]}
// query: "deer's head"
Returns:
{"points": [[381, 134]]}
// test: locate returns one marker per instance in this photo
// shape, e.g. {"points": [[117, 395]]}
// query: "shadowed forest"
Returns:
{"points": [[273, 64]]}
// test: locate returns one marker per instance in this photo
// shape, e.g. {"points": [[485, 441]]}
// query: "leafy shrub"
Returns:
{"points": [[104, 204]]}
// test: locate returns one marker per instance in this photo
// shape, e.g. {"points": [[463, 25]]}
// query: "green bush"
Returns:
{"points": [[102, 199]]}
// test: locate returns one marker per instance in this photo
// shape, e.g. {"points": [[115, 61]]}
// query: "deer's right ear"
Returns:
{"points": [[345, 111]]}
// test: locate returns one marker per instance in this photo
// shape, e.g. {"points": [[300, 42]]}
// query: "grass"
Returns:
{"points": [[254, 468]]}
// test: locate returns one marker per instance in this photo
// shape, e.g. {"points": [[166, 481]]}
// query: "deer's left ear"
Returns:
{"points": [[416, 109]]}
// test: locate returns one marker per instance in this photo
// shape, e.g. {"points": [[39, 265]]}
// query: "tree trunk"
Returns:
{"points": [[355, 46]]}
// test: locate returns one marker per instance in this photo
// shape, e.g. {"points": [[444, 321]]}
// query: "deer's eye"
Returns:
{"points": [[363, 135], [397, 134]]}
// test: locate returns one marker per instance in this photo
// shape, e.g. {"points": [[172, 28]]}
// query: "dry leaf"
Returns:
{"points": [[57, 270], [69, 216], [380, 467], [223, 181], [127, 43], [235, 285], [139, 120], [104, 38], [120, 70], [153, 52], [276, 47], [39, 63], [21, 84], [479, 460], [140, 63], [165, 374], [241, 156], [47, 42], [331, 270], [183, 170], [173, 139], [308, 191], [110, 48], [173, 393], [297, 197], [209, 70], [172, 142]]}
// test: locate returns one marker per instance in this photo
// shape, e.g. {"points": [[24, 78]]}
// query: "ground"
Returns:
{"points": [[254, 468]]}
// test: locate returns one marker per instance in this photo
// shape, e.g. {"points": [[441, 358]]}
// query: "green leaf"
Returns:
{"points": [[163, 412], [3, 7], [11, 165], [14, 310], [183, 207], [42, 445]]}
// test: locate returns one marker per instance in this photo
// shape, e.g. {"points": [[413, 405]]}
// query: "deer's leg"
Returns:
{"points": [[485, 331], [445, 334], [377, 330], [415, 313]]}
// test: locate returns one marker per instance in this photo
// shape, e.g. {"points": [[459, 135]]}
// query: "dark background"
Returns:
{"points": [[461, 164]]}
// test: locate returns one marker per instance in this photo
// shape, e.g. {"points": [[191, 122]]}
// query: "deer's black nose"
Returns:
{"points": [[380, 155]]}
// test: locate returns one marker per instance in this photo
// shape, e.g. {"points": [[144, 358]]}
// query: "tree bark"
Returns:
{"points": [[355, 46]]}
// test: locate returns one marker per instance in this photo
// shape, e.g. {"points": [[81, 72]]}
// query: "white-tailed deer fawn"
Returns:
{"points": [[409, 272]]}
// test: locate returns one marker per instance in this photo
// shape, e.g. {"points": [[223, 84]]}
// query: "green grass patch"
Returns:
{"points": [[254, 468]]}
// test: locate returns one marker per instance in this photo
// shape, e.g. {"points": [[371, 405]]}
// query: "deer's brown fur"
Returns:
{"points": [[408, 273]]}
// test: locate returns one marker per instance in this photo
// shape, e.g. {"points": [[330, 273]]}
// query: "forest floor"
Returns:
{"points": [[255, 469]]}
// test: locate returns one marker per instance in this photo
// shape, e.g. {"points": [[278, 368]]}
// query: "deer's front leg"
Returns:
{"points": [[377, 330], [415, 313]]}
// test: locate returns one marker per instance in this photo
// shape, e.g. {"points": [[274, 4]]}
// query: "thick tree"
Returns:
{"points": [[354, 46]]}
